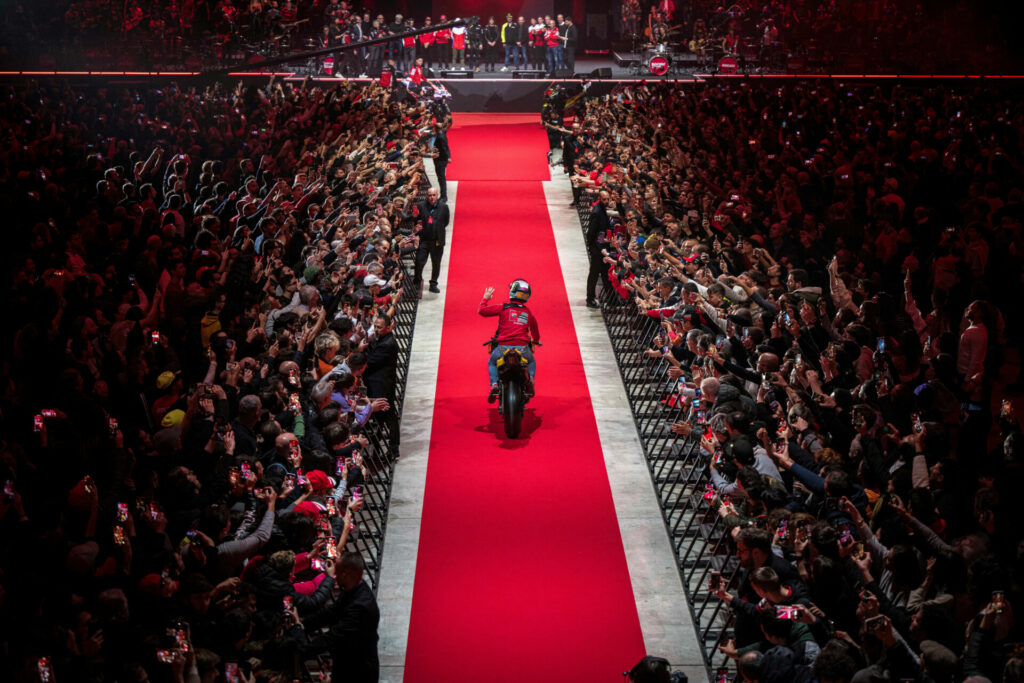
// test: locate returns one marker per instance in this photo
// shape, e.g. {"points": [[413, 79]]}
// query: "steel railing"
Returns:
{"points": [[679, 469]]}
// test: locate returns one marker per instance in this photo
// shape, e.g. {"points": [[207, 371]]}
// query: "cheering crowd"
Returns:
{"points": [[200, 381], [827, 275]]}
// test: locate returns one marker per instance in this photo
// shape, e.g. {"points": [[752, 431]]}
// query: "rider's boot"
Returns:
{"points": [[493, 396]]}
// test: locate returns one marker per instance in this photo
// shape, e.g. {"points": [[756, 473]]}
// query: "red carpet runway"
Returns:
{"points": [[521, 574]]}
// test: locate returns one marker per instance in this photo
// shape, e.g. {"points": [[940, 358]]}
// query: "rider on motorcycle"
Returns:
{"points": [[517, 327]]}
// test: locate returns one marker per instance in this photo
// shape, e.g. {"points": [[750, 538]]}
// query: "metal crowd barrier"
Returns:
{"points": [[678, 468], [379, 457]]}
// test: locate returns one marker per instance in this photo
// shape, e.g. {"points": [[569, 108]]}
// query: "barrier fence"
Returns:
{"points": [[380, 454], [678, 468]]}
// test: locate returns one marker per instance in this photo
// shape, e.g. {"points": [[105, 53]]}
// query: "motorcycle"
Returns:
{"points": [[515, 387]]}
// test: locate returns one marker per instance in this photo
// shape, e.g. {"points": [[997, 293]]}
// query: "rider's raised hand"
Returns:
{"points": [[488, 293]]}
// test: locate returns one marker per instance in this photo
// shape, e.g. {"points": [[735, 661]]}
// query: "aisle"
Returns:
{"points": [[520, 574]]}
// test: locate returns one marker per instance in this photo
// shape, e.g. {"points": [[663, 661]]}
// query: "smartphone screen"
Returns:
{"points": [[122, 513]]}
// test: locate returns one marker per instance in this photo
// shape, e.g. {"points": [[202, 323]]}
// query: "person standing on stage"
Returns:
{"points": [[524, 39], [427, 45], [395, 46], [569, 40], [475, 46], [459, 48], [552, 41], [432, 227], [409, 45], [509, 38], [443, 45], [536, 43], [492, 37]]}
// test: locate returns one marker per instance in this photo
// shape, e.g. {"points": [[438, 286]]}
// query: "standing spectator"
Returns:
{"points": [[381, 373], [432, 229], [352, 620], [596, 231], [571, 35]]}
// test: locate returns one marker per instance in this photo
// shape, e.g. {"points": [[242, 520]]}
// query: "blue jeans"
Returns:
{"points": [[551, 59], [559, 56], [511, 52], [492, 364]]}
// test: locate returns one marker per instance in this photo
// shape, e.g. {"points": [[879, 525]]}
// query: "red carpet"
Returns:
{"points": [[521, 574]]}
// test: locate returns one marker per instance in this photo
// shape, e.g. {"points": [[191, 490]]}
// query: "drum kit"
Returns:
{"points": [[731, 44]]}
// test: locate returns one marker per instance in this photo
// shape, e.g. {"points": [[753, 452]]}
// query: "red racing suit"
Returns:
{"points": [[517, 326]]}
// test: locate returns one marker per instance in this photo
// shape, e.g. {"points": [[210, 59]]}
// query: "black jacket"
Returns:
{"points": [[434, 230], [272, 588], [352, 638], [598, 228], [444, 153], [381, 364]]}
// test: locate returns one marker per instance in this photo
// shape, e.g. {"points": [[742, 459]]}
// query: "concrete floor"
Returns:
{"points": [[665, 619]]}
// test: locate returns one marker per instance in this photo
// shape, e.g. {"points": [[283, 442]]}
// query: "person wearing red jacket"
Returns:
{"points": [[427, 44], [443, 45], [517, 328]]}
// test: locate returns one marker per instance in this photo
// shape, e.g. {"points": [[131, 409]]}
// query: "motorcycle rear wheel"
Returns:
{"points": [[512, 409]]}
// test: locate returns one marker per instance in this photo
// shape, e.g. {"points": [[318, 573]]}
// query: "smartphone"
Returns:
{"points": [[719, 342], [155, 337], [317, 564], [44, 669], [112, 426], [357, 492], [231, 672], [48, 413], [37, 424], [332, 549], [287, 600], [845, 535], [1005, 408], [998, 601], [880, 344], [192, 535], [709, 491], [786, 612], [716, 459], [340, 467], [918, 425], [165, 656], [715, 583], [289, 481], [246, 470], [234, 476], [332, 507], [293, 403], [154, 511], [786, 318], [722, 673], [122, 513], [874, 623], [9, 489], [701, 417], [783, 529], [696, 394], [858, 550], [119, 537], [292, 379]]}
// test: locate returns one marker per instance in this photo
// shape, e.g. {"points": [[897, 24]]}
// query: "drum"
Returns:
{"points": [[728, 65], [659, 64], [329, 66], [662, 49]]}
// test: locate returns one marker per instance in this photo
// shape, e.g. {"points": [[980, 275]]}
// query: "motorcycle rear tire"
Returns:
{"points": [[512, 409]]}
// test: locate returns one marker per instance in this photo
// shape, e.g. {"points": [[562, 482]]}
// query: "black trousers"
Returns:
{"points": [[434, 253], [597, 271], [440, 168], [444, 55]]}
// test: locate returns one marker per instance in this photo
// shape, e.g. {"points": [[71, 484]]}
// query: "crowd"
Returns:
{"points": [[828, 275], [200, 375]]}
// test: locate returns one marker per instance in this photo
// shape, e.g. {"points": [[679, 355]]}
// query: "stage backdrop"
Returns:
{"points": [[488, 8]]}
